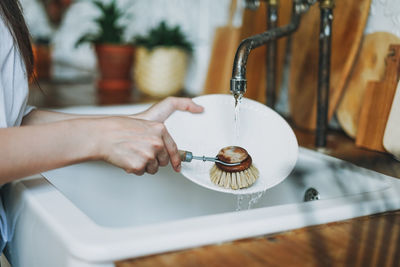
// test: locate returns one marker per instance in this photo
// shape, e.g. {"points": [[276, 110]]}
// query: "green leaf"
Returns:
{"points": [[107, 22], [87, 38], [162, 35]]}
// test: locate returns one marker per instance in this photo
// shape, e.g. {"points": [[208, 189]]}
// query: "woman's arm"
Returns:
{"points": [[33, 149], [137, 143], [158, 112], [38, 116]]}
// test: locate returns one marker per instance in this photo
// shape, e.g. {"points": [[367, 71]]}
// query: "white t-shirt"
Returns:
{"points": [[13, 81], [13, 107]]}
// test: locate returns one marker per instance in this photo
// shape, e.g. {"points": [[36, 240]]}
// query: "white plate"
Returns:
{"points": [[262, 132]]}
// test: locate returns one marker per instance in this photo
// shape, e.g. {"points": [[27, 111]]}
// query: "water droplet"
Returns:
{"points": [[254, 198], [239, 200]]}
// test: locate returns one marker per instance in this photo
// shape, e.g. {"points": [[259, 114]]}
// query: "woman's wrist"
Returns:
{"points": [[87, 134]]}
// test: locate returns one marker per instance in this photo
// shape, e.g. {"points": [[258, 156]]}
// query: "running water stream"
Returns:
{"points": [[252, 199], [248, 201], [238, 99]]}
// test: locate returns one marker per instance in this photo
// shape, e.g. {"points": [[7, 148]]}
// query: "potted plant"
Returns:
{"points": [[42, 53], [114, 54], [161, 60]]}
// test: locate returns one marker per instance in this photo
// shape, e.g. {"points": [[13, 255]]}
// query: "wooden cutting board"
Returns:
{"points": [[254, 22], [348, 25], [226, 41], [370, 65], [377, 102], [392, 131]]}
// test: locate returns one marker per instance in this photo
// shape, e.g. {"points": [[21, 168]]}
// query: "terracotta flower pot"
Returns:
{"points": [[42, 59], [115, 66]]}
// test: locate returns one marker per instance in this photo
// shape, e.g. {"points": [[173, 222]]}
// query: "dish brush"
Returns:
{"points": [[233, 167]]}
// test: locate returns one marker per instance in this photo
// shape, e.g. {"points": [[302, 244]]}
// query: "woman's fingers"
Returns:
{"points": [[162, 110], [185, 104], [163, 157], [152, 166], [136, 145], [172, 150]]}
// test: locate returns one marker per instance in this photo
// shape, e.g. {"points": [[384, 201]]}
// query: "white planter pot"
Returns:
{"points": [[160, 72]]}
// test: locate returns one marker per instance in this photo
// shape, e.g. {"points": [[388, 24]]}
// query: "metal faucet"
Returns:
{"points": [[325, 35], [239, 82], [271, 59]]}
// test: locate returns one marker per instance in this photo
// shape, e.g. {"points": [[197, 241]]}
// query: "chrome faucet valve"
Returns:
{"points": [[304, 5], [238, 86], [252, 4], [327, 4]]}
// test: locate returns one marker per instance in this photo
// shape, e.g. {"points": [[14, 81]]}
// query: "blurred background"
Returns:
{"points": [[200, 39], [63, 22]]}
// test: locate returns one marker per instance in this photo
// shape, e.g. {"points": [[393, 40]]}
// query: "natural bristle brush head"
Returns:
{"points": [[234, 177]]}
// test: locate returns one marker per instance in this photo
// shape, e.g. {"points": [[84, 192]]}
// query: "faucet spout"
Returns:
{"points": [[238, 80]]}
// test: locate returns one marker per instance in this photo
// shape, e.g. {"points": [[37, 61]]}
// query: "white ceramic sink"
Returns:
{"points": [[92, 214]]}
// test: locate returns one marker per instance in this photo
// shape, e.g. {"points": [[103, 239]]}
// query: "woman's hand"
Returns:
{"points": [[141, 143], [135, 145]]}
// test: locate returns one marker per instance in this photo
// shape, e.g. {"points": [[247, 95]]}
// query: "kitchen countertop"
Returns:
{"points": [[366, 241]]}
